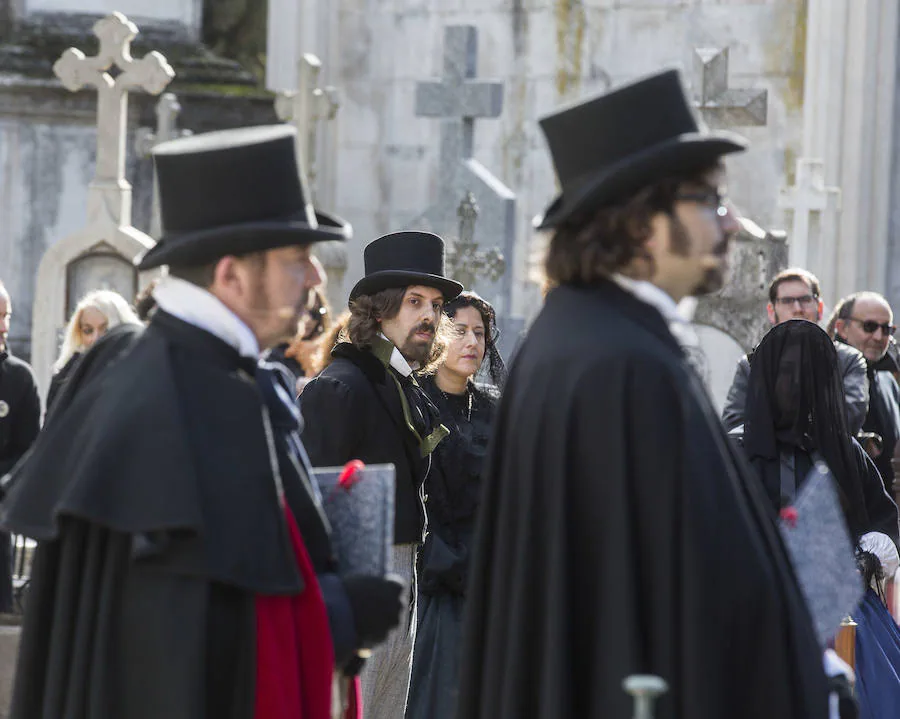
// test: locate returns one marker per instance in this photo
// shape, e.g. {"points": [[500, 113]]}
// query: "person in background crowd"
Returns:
{"points": [[453, 488], [865, 321], [95, 314], [795, 294], [20, 422]]}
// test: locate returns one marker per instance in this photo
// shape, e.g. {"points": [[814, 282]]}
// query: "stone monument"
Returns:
{"points": [[167, 111], [100, 254], [814, 225], [306, 108], [458, 99], [719, 104]]}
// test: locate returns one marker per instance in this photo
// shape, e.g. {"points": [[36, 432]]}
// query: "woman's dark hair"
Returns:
{"points": [[496, 368], [818, 414], [593, 245]]}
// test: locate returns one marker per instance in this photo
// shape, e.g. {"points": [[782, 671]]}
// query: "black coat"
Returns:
{"points": [[20, 411], [158, 522], [884, 419], [352, 410], [621, 534], [60, 379]]}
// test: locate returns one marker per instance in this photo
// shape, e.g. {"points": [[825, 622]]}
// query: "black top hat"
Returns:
{"points": [[231, 193], [610, 147], [401, 259]]}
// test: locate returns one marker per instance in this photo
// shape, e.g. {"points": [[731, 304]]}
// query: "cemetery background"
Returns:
{"points": [[825, 72]]}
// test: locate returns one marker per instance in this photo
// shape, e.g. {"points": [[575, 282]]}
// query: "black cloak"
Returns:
{"points": [[620, 533], [152, 496]]}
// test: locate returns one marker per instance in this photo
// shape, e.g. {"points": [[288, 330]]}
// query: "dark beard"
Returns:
{"points": [[713, 281], [415, 350]]}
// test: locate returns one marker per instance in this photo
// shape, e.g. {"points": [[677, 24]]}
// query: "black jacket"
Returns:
{"points": [[20, 410], [153, 497], [352, 410], [853, 373], [619, 533], [884, 419]]}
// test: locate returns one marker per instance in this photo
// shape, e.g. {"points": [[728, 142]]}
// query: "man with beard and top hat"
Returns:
{"points": [[184, 567], [368, 405], [620, 533]]}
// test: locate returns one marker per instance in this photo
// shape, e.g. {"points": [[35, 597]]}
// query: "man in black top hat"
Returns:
{"points": [[367, 405], [620, 534], [184, 566]]}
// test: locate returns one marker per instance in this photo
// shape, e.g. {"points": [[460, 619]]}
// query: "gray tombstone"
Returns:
{"points": [[458, 99], [719, 104], [100, 269]]}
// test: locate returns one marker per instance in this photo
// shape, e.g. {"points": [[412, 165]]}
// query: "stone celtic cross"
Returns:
{"points": [[305, 108], [167, 110], [465, 261], [151, 73], [458, 99], [815, 209], [720, 105]]}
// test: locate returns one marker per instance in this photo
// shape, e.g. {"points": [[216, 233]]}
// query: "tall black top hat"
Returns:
{"points": [[401, 259], [610, 147], [231, 193]]}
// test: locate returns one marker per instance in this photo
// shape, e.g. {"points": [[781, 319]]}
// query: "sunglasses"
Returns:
{"points": [[870, 326]]}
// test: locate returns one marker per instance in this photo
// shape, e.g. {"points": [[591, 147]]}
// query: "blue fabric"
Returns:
{"points": [[877, 660]]}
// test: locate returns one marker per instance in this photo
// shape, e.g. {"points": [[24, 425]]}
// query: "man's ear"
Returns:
{"points": [[770, 310], [839, 327], [821, 310]]}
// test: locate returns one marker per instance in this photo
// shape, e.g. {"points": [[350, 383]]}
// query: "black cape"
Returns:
{"points": [[620, 533], [153, 500]]}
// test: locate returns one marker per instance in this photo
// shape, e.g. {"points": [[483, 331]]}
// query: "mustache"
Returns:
{"points": [[423, 327]]}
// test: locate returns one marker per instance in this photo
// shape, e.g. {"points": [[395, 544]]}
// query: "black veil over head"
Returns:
{"points": [[495, 367], [795, 397]]}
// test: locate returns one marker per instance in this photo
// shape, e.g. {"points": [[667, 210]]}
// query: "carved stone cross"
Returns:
{"points": [[465, 261], [167, 110], [720, 105], [815, 208], [305, 108], [458, 99], [151, 73]]}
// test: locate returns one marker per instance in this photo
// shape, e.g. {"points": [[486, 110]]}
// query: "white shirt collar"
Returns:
{"points": [[652, 295], [398, 361], [202, 309]]}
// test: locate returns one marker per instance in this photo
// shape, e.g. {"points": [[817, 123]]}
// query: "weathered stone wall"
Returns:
{"points": [[548, 52], [48, 137]]}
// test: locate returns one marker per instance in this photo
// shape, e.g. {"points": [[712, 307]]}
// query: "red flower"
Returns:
{"points": [[789, 515], [350, 474]]}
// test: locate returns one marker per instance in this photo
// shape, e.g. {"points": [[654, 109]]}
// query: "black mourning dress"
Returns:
{"points": [[453, 488]]}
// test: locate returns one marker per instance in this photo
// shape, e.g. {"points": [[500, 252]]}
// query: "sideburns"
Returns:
{"points": [[679, 238]]}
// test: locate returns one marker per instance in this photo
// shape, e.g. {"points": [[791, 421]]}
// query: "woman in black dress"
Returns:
{"points": [[453, 488]]}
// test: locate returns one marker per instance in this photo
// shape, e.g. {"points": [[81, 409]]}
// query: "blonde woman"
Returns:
{"points": [[95, 314]]}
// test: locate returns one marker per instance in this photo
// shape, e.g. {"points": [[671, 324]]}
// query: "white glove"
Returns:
{"points": [[883, 547]]}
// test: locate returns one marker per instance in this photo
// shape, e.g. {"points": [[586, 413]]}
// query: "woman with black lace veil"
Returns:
{"points": [[795, 417], [453, 487]]}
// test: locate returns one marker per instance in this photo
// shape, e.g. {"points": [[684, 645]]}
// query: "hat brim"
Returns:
{"points": [[198, 248], [388, 279], [616, 182]]}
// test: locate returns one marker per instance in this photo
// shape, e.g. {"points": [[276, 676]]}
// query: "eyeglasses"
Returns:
{"points": [[714, 199], [870, 326], [802, 300]]}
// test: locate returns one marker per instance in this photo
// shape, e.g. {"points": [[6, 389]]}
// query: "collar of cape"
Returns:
{"points": [[389, 357]]}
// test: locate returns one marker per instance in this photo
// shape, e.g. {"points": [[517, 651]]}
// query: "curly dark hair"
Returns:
{"points": [[366, 313], [593, 244]]}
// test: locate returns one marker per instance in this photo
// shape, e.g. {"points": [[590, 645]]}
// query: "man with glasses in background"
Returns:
{"points": [[795, 294], [865, 321]]}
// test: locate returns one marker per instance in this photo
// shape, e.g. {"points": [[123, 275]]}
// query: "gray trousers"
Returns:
{"points": [[385, 678]]}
